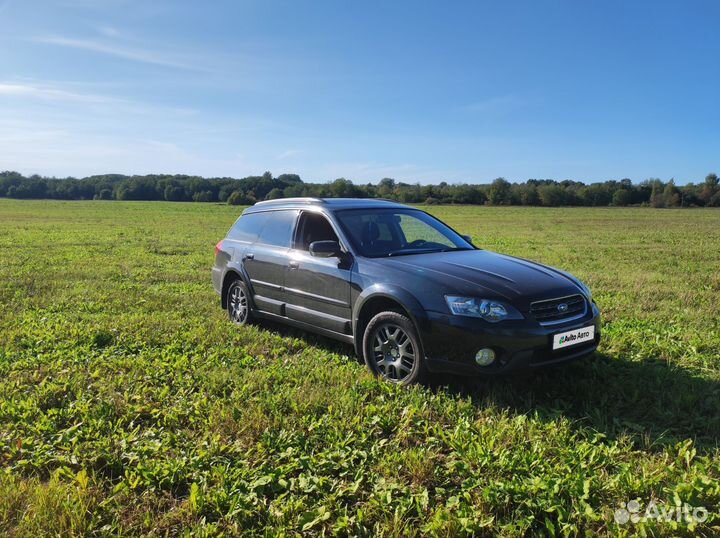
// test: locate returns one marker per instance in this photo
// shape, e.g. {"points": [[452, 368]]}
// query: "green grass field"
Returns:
{"points": [[130, 405]]}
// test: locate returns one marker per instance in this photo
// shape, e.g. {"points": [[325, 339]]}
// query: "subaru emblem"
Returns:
{"points": [[562, 307]]}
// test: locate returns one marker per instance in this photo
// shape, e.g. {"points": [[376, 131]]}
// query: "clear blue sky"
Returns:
{"points": [[418, 91]]}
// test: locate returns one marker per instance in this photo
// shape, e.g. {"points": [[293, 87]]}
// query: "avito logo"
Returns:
{"points": [[573, 337]]}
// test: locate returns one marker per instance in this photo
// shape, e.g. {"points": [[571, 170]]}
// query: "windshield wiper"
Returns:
{"points": [[405, 252], [456, 249]]}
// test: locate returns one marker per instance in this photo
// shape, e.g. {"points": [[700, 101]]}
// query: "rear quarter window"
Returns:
{"points": [[278, 228], [248, 227]]}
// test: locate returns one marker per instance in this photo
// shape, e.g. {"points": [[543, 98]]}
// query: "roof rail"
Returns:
{"points": [[301, 200]]}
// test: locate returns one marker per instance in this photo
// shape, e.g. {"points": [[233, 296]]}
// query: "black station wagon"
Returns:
{"points": [[411, 294]]}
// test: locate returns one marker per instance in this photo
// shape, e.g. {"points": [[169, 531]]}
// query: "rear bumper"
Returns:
{"points": [[451, 343], [217, 278]]}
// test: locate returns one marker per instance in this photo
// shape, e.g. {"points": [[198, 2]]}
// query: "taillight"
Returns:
{"points": [[217, 248]]}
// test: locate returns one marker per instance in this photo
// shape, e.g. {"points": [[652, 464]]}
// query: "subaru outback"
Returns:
{"points": [[412, 295]]}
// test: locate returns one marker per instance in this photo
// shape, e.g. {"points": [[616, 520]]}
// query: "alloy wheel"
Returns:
{"points": [[238, 304], [393, 352]]}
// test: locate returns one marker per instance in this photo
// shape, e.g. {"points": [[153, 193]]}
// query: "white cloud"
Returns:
{"points": [[83, 101], [57, 141], [50, 93], [137, 55], [108, 31], [288, 154]]}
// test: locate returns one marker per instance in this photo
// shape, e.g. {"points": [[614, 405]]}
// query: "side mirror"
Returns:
{"points": [[467, 238], [325, 249]]}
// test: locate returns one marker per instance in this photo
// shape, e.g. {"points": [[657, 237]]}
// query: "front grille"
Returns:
{"points": [[552, 311]]}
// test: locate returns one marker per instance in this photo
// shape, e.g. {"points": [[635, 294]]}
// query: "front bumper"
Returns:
{"points": [[451, 343]]}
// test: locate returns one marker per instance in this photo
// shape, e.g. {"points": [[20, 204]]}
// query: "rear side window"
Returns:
{"points": [[278, 229], [248, 227]]}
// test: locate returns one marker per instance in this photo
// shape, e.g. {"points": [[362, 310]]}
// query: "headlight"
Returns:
{"points": [[487, 309]]}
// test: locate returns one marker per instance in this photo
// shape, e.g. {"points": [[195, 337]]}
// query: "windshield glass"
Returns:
{"points": [[396, 232]]}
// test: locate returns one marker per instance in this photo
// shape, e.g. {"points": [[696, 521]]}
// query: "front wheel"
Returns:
{"points": [[392, 349], [238, 303]]}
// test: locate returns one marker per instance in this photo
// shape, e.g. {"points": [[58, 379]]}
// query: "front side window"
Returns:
{"points": [[397, 232], [313, 227], [278, 228]]}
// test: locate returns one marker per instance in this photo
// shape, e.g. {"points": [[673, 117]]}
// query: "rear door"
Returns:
{"points": [[266, 259], [242, 235], [318, 289]]}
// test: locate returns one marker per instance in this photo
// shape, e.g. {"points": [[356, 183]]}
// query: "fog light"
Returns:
{"points": [[485, 356]]}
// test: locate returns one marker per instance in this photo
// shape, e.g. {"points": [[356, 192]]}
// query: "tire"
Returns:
{"points": [[238, 303], [393, 350]]}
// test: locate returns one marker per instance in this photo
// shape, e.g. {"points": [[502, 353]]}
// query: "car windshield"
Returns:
{"points": [[383, 232]]}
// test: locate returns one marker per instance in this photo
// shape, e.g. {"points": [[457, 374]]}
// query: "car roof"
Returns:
{"points": [[331, 204]]}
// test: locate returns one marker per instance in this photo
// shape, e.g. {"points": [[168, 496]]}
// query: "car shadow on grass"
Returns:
{"points": [[655, 403], [311, 339]]}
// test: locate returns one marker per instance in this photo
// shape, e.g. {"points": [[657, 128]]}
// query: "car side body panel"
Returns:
{"points": [[317, 291]]}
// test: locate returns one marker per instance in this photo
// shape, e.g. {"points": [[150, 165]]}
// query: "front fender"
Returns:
{"points": [[406, 299]]}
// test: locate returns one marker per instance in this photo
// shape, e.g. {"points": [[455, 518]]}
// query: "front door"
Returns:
{"points": [[317, 289]]}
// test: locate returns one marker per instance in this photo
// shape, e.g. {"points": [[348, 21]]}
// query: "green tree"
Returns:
{"points": [[174, 193], [105, 194], [288, 179], [203, 196], [596, 194], [386, 187], [343, 188], [274, 194], [709, 189], [656, 196], [224, 193], [622, 197], [528, 194], [551, 195], [237, 198], [252, 188], [294, 190], [671, 195], [500, 192]]}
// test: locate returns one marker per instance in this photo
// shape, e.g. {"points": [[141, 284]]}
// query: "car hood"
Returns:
{"points": [[486, 274]]}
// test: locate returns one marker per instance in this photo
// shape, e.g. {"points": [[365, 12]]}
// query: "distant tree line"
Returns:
{"points": [[533, 192]]}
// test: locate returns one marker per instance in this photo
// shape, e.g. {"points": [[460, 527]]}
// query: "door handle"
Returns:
{"points": [[249, 256], [294, 265]]}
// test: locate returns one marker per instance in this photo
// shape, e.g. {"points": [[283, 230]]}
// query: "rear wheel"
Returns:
{"points": [[392, 349], [238, 303]]}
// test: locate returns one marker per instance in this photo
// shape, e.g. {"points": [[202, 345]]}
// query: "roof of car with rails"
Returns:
{"points": [[331, 204]]}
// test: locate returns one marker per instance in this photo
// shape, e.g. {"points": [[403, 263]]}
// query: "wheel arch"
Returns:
{"points": [[230, 276], [374, 301]]}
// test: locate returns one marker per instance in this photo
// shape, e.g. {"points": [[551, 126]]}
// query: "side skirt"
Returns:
{"points": [[347, 338]]}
